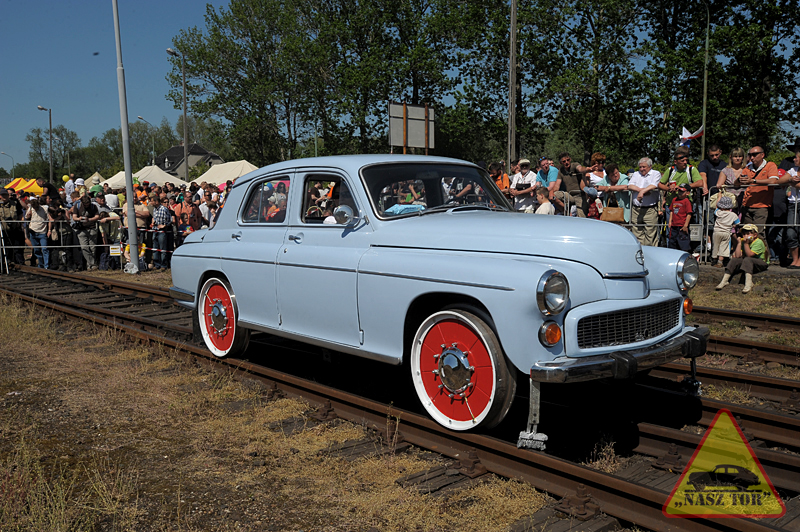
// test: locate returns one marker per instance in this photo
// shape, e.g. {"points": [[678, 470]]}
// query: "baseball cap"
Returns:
{"points": [[3, 191], [685, 186], [750, 227], [524, 161]]}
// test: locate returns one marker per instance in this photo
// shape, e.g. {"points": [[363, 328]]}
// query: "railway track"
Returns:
{"points": [[750, 319], [148, 313], [751, 350]]}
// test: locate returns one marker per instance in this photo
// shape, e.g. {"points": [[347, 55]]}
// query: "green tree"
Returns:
{"points": [[39, 153], [232, 73], [761, 45], [66, 145]]}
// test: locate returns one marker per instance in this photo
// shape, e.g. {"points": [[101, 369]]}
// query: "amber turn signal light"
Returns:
{"points": [[550, 333], [687, 306]]}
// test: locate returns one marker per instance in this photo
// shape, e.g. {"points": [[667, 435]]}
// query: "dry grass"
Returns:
{"points": [[728, 394], [105, 435], [604, 458]]}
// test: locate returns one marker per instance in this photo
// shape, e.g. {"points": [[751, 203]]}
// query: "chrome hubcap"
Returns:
{"points": [[454, 369], [219, 317]]}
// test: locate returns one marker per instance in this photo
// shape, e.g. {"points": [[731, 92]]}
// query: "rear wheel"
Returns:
{"points": [[217, 317], [459, 371]]}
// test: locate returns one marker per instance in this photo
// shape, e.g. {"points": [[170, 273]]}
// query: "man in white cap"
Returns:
{"points": [[522, 188]]}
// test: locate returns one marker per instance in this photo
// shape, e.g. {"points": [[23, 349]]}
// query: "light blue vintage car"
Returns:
{"points": [[423, 262]]}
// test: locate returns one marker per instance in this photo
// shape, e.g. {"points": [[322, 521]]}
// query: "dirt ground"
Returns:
{"points": [[98, 434]]}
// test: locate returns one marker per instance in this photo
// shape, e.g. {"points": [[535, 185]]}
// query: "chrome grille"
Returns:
{"points": [[628, 326]]}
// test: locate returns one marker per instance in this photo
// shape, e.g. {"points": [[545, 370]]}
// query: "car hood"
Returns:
{"points": [[604, 246]]}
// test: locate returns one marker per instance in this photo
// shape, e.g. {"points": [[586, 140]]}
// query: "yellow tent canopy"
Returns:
{"points": [[30, 186], [17, 183]]}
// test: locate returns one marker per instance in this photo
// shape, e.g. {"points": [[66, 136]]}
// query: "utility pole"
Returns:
{"points": [[512, 88], [705, 86]]}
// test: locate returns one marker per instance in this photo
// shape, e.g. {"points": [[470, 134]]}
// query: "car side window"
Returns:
{"points": [[323, 193], [268, 201]]}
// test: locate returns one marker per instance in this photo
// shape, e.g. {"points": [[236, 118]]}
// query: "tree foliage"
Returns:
{"points": [[265, 78]]}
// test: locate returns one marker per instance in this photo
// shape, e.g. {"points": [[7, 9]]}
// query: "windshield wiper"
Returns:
{"points": [[454, 207]]}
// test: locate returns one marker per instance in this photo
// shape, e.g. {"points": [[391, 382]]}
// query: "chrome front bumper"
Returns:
{"points": [[623, 364]]}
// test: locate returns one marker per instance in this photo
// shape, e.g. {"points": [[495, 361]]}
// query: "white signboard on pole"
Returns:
{"points": [[411, 126]]}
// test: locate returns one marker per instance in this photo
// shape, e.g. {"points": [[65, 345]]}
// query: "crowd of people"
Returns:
{"points": [[84, 226], [746, 207]]}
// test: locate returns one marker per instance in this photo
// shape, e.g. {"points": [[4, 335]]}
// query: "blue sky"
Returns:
{"points": [[47, 58]]}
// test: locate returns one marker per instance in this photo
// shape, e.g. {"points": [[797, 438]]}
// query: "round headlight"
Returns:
{"points": [[552, 293], [688, 272]]}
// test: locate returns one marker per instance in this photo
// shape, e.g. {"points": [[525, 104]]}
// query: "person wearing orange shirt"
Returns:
{"points": [[757, 200], [495, 170]]}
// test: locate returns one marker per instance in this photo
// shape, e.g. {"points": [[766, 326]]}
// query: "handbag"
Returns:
{"points": [[613, 214]]}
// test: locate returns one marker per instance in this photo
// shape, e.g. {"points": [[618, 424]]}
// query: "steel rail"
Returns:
{"points": [[769, 388], [748, 318], [158, 294], [761, 351]]}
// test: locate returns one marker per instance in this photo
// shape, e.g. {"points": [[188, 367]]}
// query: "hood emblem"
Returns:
{"points": [[640, 257]]}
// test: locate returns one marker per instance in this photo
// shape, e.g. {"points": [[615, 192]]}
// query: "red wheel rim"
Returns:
{"points": [[469, 404], [220, 337]]}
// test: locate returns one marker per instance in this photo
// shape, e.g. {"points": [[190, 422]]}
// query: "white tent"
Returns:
{"points": [[220, 173], [151, 174], [154, 174], [116, 181]]}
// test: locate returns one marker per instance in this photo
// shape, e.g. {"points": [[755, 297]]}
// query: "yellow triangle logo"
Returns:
{"points": [[724, 478]]}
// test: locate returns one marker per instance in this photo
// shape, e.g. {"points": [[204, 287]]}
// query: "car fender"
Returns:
{"points": [[391, 280], [662, 264]]}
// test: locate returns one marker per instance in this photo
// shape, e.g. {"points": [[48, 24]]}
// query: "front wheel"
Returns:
{"points": [[217, 317], [459, 371]]}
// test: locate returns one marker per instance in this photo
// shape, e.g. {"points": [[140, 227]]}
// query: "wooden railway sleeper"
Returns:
{"points": [[792, 402]]}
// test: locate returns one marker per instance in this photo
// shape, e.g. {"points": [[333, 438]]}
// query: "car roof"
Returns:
{"points": [[349, 163]]}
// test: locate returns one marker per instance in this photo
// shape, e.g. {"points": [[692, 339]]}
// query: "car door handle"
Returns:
{"points": [[237, 236], [296, 238]]}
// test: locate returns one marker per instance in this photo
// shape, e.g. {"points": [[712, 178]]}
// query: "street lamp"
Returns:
{"points": [[50, 114], [173, 53], [152, 136], [705, 86], [66, 148], [12, 163]]}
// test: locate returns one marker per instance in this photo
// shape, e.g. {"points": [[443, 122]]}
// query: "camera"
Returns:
{"points": [[522, 186]]}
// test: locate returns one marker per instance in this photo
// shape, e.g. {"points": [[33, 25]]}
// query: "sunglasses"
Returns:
{"points": [[753, 154]]}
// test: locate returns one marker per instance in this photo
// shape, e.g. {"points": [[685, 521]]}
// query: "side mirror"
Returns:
{"points": [[343, 214]]}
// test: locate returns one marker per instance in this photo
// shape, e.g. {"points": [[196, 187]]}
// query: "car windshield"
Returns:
{"points": [[411, 189]]}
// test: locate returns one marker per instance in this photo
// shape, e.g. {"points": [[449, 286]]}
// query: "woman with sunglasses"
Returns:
{"points": [[729, 175]]}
